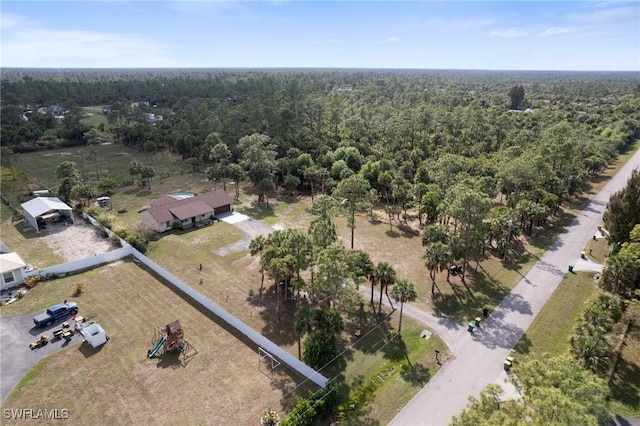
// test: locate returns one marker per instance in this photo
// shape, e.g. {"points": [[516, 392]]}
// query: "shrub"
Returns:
{"points": [[105, 219], [269, 418], [79, 289], [115, 240], [31, 282], [138, 241], [312, 410]]}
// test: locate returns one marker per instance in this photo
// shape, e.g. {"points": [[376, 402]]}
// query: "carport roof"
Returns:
{"points": [[41, 205]]}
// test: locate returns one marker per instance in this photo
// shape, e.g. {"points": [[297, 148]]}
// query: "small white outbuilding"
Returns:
{"points": [[94, 335]]}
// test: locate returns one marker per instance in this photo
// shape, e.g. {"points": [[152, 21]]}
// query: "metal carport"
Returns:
{"points": [[40, 206]]}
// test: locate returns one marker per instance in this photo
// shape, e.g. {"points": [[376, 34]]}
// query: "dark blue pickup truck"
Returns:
{"points": [[55, 313]]}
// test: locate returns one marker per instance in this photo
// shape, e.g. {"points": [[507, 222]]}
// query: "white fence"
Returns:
{"points": [[234, 322], [212, 307], [86, 263]]}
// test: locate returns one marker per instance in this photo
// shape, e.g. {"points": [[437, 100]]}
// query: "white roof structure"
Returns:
{"points": [[41, 205], [94, 335], [10, 262]]}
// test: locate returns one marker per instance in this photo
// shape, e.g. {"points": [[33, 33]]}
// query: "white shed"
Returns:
{"points": [[94, 335], [11, 270], [41, 207]]}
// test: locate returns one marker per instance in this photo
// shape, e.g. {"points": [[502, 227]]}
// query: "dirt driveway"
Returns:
{"points": [[76, 241], [251, 227]]}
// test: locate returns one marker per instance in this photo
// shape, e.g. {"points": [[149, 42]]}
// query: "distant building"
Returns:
{"points": [[139, 103], [57, 110], [153, 118], [186, 212]]}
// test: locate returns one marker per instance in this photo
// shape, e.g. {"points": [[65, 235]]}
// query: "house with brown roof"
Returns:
{"points": [[169, 211]]}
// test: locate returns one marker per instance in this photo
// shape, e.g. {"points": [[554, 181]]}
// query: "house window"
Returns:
{"points": [[168, 224], [8, 277]]}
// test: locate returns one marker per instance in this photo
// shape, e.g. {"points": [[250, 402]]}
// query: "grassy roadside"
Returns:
{"points": [[552, 327]]}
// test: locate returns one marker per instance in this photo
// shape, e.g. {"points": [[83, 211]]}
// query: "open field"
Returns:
{"points": [[112, 159], [119, 385]]}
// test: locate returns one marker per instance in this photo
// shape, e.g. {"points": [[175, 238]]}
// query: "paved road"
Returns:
{"points": [[478, 357]]}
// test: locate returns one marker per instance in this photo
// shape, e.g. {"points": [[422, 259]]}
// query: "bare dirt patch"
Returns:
{"points": [[252, 228], [77, 241]]}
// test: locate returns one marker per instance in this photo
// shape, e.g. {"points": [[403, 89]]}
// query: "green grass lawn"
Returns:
{"points": [[552, 327], [94, 118], [129, 303], [33, 250]]}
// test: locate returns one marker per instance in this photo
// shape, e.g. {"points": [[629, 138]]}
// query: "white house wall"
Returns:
{"points": [[18, 279]]}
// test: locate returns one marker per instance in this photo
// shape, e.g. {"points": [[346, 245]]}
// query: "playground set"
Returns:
{"points": [[171, 339]]}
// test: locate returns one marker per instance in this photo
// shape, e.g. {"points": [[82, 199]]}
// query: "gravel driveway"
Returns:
{"points": [[251, 227], [76, 241]]}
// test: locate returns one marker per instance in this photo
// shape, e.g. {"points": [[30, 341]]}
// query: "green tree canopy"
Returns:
{"points": [[555, 391]]}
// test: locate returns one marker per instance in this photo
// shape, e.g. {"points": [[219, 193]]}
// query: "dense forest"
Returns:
{"points": [[531, 137]]}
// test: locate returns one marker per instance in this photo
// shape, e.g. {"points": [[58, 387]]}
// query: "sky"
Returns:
{"points": [[494, 35]]}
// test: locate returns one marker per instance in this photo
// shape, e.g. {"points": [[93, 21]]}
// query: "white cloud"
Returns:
{"points": [[27, 45], [393, 40], [508, 33], [9, 20], [553, 31]]}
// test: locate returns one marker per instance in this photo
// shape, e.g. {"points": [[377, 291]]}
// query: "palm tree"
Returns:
{"points": [[386, 276], [255, 247], [304, 319], [322, 325], [403, 291], [362, 266], [591, 347], [438, 257]]}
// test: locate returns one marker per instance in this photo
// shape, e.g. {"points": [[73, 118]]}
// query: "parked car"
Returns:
{"points": [[55, 313]]}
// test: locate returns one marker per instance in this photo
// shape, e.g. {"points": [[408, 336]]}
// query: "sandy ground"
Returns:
{"points": [[76, 241]]}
